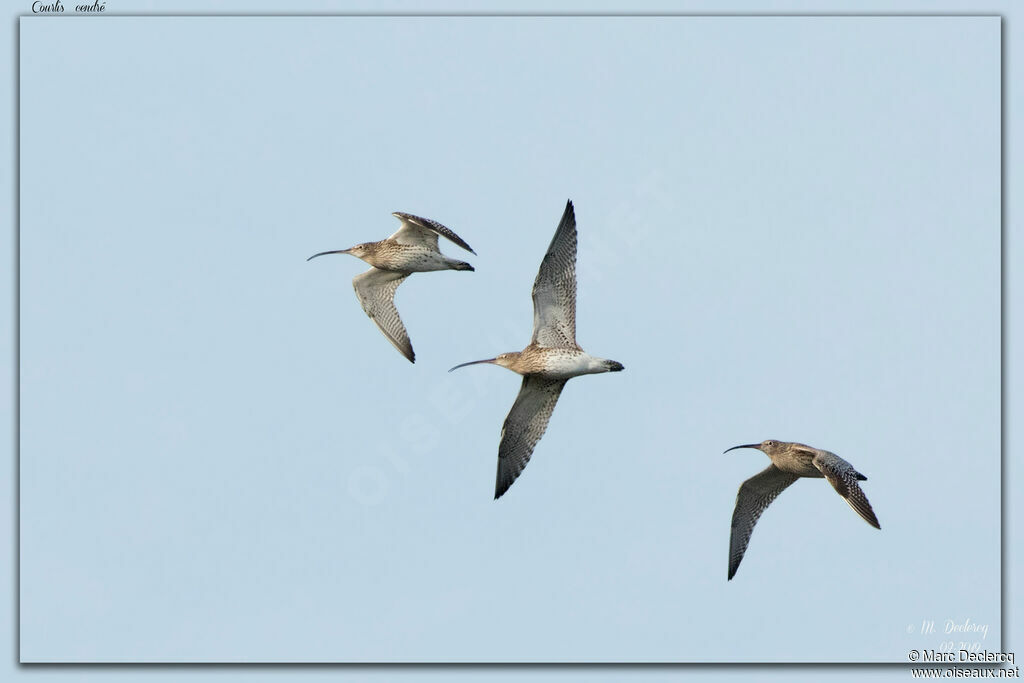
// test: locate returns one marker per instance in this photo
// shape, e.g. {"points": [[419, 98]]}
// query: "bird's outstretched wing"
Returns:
{"points": [[424, 231], [376, 291], [554, 290], [524, 426], [844, 480], [754, 496]]}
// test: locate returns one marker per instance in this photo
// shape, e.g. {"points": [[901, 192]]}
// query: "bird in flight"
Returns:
{"points": [[412, 249], [790, 461], [552, 358]]}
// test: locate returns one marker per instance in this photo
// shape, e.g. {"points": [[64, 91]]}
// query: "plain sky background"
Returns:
{"points": [[244, 469]]}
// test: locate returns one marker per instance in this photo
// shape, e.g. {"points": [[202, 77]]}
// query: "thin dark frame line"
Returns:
{"points": [[1003, 310], [16, 314], [15, 413], [386, 14], [821, 666]]}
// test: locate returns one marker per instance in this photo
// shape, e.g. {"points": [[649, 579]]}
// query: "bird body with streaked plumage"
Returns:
{"points": [[552, 358], [412, 249], [790, 461]]}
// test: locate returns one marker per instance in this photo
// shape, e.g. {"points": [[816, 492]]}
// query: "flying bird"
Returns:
{"points": [[790, 461], [412, 249], [552, 358]]}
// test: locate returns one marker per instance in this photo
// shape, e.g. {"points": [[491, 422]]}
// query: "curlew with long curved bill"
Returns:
{"points": [[412, 249], [552, 358], [790, 461]]}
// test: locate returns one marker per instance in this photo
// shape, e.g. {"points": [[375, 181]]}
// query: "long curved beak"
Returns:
{"points": [[474, 362], [748, 445], [336, 251]]}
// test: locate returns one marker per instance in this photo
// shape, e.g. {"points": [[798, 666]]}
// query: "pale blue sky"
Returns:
{"points": [[788, 228]]}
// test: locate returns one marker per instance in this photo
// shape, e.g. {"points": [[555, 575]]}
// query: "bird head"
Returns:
{"points": [[359, 251], [768, 447], [505, 360]]}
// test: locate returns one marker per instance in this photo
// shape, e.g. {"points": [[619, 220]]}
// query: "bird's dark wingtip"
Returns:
{"points": [[868, 515], [568, 220]]}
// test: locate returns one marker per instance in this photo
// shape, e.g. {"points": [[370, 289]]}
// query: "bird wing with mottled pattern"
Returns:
{"points": [[844, 478], [376, 291], [754, 496], [424, 231], [525, 424], [554, 290]]}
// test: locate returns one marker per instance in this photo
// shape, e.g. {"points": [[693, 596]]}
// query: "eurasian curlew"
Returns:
{"points": [[552, 358], [412, 249], [790, 461]]}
